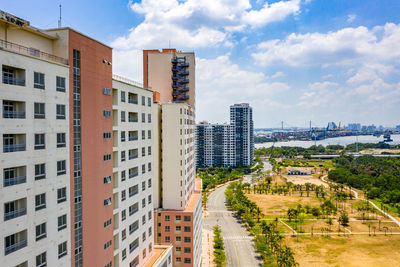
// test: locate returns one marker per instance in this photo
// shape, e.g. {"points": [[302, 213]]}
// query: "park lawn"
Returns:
{"points": [[279, 204], [360, 251]]}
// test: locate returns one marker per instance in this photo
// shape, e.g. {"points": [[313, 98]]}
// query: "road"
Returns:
{"points": [[239, 246]]}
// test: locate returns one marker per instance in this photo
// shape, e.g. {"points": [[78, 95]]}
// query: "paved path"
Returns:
{"points": [[239, 246], [323, 178]]}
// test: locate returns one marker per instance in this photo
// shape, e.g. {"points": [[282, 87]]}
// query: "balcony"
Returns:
{"points": [[184, 72], [14, 180], [16, 246], [133, 156], [31, 52], [133, 138], [14, 214], [133, 211], [14, 81], [185, 89], [184, 64], [184, 80], [13, 109], [133, 174], [134, 246], [133, 117], [132, 101], [14, 148], [134, 228]]}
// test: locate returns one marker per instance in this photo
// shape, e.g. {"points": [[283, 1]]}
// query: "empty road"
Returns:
{"points": [[239, 247]]}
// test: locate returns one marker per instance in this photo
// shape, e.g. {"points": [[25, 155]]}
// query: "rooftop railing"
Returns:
{"points": [[30, 51]]}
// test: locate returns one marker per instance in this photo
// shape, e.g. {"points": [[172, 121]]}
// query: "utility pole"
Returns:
{"points": [[59, 21]]}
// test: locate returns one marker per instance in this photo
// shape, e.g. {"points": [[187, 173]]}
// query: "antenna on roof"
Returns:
{"points": [[59, 21]]}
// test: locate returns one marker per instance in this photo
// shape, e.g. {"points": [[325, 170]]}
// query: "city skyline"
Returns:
{"points": [[294, 61]]}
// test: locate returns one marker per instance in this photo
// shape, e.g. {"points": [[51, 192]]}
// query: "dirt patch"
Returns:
{"points": [[303, 179]]}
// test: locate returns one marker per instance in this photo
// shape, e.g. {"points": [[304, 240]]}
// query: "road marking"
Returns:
{"points": [[237, 257]]}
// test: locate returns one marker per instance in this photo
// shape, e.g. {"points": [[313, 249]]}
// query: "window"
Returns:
{"points": [[178, 249], [107, 113], [123, 215], [40, 141], [61, 167], [187, 260], [41, 260], [124, 254], [178, 239], [167, 239], [123, 136], [143, 202], [144, 236], [123, 157], [143, 185], [61, 195], [62, 249], [107, 157], [39, 111], [107, 223], [178, 228], [186, 250], [149, 215], [177, 217], [149, 118], [107, 135], [149, 150], [123, 234], [143, 117], [108, 264], [107, 201], [149, 199], [107, 179], [178, 259], [60, 84], [122, 96], [187, 239], [186, 218], [40, 201], [143, 151], [149, 134], [123, 195], [106, 91], [60, 112], [40, 171], [149, 101], [144, 168], [122, 116], [186, 229], [143, 219], [149, 183], [167, 218], [123, 176], [143, 134], [40, 231], [107, 244], [167, 228], [38, 80], [143, 100], [62, 222], [149, 166], [61, 140]]}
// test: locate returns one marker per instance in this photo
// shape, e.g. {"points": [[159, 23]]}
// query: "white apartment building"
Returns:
{"points": [[178, 161], [132, 173], [34, 154]]}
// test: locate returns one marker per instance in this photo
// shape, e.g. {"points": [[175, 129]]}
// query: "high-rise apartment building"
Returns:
{"points": [[214, 145], [227, 144], [35, 147], [243, 133], [177, 193], [76, 159]]}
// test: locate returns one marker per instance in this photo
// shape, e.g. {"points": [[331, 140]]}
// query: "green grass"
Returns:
{"points": [[391, 209]]}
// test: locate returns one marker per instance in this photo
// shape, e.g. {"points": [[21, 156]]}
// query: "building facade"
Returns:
{"points": [[171, 74], [227, 145], [35, 148], [76, 157]]}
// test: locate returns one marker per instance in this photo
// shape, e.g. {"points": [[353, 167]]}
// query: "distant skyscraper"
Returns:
{"points": [[227, 145]]}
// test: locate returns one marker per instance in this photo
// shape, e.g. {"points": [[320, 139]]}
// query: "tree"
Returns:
{"points": [[344, 219]]}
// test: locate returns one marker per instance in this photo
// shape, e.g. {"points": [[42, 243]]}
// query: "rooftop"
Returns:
{"points": [[159, 251]]}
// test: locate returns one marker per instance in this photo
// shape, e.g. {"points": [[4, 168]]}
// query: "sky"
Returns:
{"points": [[294, 61]]}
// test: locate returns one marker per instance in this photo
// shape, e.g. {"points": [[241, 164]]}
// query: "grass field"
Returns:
{"points": [[363, 251], [333, 250]]}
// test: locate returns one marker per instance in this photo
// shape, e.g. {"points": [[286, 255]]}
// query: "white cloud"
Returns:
{"points": [[221, 83], [346, 46], [351, 18], [370, 72], [128, 64], [277, 74], [198, 23], [271, 12]]}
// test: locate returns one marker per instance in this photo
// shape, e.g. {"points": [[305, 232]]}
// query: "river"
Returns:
{"points": [[344, 140]]}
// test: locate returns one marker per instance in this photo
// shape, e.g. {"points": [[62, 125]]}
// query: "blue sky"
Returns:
{"points": [[292, 60]]}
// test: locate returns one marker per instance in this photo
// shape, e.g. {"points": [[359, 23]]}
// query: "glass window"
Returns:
{"points": [[61, 140], [40, 201], [40, 141], [39, 111], [143, 100], [60, 84], [61, 167], [38, 80], [61, 195], [62, 249], [62, 222], [60, 112], [122, 96], [40, 171], [40, 231], [41, 260]]}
